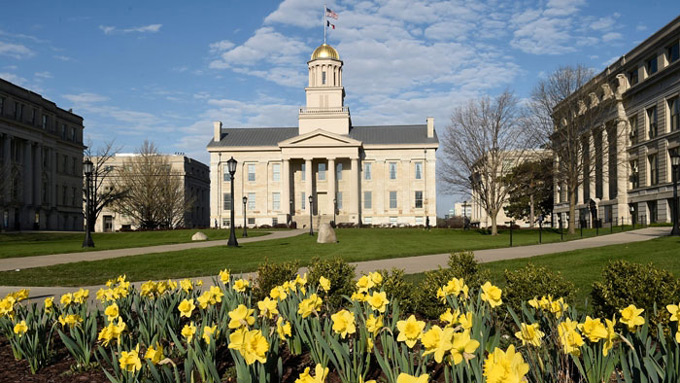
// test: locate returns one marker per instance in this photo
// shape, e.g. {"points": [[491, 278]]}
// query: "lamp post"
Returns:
{"points": [[87, 168], [290, 214], [311, 207], [231, 167], [632, 215], [245, 222], [335, 208], [675, 162]]}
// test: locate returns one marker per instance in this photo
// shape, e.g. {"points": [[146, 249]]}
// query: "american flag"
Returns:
{"points": [[331, 14]]}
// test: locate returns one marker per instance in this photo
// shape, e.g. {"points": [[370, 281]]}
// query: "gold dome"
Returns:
{"points": [[325, 51]]}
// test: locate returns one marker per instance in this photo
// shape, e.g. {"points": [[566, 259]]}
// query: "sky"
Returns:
{"points": [[164, 70]]}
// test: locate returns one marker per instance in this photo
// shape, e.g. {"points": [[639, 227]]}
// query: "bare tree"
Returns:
{"points": [[569, 109], [104, 192], [153, 193], [484, 141]]}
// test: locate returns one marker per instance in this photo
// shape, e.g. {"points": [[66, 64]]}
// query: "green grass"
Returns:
{"points": [[30, 244], [354, 245], [583, 267]]}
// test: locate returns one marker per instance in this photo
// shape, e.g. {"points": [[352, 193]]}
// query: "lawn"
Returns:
{"points": [[354, 245], [30, 244], [583, 267]]}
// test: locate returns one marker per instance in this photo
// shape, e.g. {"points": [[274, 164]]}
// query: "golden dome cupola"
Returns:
{"points": [[325, 51]]}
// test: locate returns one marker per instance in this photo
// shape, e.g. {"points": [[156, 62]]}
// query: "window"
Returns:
{"points": [[608, 214], [73, 165], [73, 197], [226, 177], [419, 200], [338, 200], [18, 111], [226, 201], [419, 220], [251, 201], [368, 220], [303, 201], [303, 171], [633, 130], [64, 194], [653, 169], [367, 171], [276, 172], [393, 200], [393, 221], [44, 122], [673, 52], [276, 201], [323, 78], [419, 170], [633, 77], [64, 168], [322, 171], [674, 113], [368, 200], [338, 172], [73, 134], [226, 222], [393, 170], [251, 172], [651, 122], [653, 211], [652, 66], [2, 106], [34, 111], [251, 221]]}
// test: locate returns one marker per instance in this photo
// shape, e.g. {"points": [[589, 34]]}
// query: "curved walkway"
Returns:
{"points": [[411, 265]]}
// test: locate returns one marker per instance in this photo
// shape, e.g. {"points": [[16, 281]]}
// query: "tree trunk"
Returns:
{"points": [[572, 210], [531, 211], [494, 227]]}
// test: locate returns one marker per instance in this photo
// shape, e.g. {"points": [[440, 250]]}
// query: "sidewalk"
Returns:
{"points": [[7, 264], [411, 265]]}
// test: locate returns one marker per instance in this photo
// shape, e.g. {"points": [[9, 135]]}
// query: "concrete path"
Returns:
{"points": [[7, 264], [418, 264]]}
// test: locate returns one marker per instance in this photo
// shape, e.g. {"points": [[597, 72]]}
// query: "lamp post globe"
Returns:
{"points": [[311, 208], [88, 168], [231, 167], [632, 215], [675, 164], [245, 222]]}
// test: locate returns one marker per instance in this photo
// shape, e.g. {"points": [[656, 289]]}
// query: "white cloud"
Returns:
{"points": [[151, 28], [17, 51], [11, 77], [85, 98], [611, 36], [63, 58], [44, 74], [221, 46], [299, 13]]}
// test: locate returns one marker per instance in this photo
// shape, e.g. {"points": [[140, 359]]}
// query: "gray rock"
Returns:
{"points": [[326, 234], [199, 236]]}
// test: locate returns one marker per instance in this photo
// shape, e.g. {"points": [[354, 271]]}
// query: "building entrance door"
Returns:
{"points": [[108, 223], [322, 203]]}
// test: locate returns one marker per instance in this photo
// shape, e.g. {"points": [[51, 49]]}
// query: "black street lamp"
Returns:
{"points": [[335, 208], [245, 226], [231, 166], [632, 215], [675, 162], [87, 169], [290, 214], [311, 207]]}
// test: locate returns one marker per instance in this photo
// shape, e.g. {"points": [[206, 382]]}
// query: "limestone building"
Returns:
{"points": [[41, 156], [372, 175], [630, 152], [195, 182]]}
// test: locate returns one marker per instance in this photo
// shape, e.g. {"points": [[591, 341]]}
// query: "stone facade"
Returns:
{"points": [[196, 183], [632, 179], [41, 157], [373, 175]]}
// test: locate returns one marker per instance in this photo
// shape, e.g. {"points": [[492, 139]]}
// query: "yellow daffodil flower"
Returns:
{"points": [[376, 278], [208, 332], [630, 316], [66, 299], [675, 313], [309, 306], [406, 378], [186, 285], [283, 329], [463, 346], [505, 366], [188, 331], [129, 361], [491, 294], [343, 323], [154, 354], [325, 284], [224, 276], [378, 301], [570, 339], [240, 285], [449, 317], [267, 308], [111, 312], [374, 324], [20, 328], [320, 374], [465, 321], [438, 342], [186, 308], [241, 316], [611, 336], [252, 345], [410, 330], [593, 329], [365, 283], [530, 334]]}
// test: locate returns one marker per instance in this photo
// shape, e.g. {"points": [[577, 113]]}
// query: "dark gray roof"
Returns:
{"points": [[368, 135]]}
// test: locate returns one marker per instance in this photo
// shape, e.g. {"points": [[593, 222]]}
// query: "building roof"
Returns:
{"points": [[368, 135], [325, 51]]}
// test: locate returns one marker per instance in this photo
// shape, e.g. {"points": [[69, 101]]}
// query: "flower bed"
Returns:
{"points": [[178, 331]]}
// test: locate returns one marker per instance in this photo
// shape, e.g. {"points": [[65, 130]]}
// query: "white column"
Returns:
{"points": [[354, 189], [308, 184], [331, 184], [605, 164], [405, 190], [592, 164], [285, 195], [7, 167]]}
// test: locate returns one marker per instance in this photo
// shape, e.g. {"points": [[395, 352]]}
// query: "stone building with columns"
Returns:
{"points": [[628, 173], [41, 157], [359, 175]]}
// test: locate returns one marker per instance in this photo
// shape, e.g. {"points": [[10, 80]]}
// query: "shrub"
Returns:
{"points": [[336, 270], [624, 283], [270, 275], [398, 288], [460, 265], [534, 281]]}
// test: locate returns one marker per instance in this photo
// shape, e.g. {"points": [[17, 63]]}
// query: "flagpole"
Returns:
{"points": [[323, 18]]}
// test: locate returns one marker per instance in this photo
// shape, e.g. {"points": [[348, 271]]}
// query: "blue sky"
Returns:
{"points": [[164, 70]]}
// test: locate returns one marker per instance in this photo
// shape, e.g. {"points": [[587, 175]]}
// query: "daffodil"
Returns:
{"points": [[630, 316], [20, 295], [267, 308], [240, 285], [20, 328], [129, 360], [112, 331], [111, 312], [279, 293], [66, 299], [505, 366], [320, 374], [593, 329], [71, 320], [283, 329], [7, 307], [241, 316], [530, 334], [410, 330], [378, 301], [611, 336], [188, 331], [463, 346], [438, 342], [358, 296], [558, 307], [449, 317], [365, 283], [406, 378], [570, 339], [186, 285], [325, 284], [49, 304], [343, 323], [376, 278], [252, 345], [491, 294], [81, 296], [374, 324], [675, 313], [208, 332], [186, 308], [224, 276], [309, 306], [465, 321], [154, 354]]}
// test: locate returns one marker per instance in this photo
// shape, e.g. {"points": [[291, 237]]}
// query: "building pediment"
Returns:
{"points": [[319, 138]]}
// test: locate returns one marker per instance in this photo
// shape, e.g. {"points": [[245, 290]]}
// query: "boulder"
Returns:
{"points": [[199, 236], [326, 234]]}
